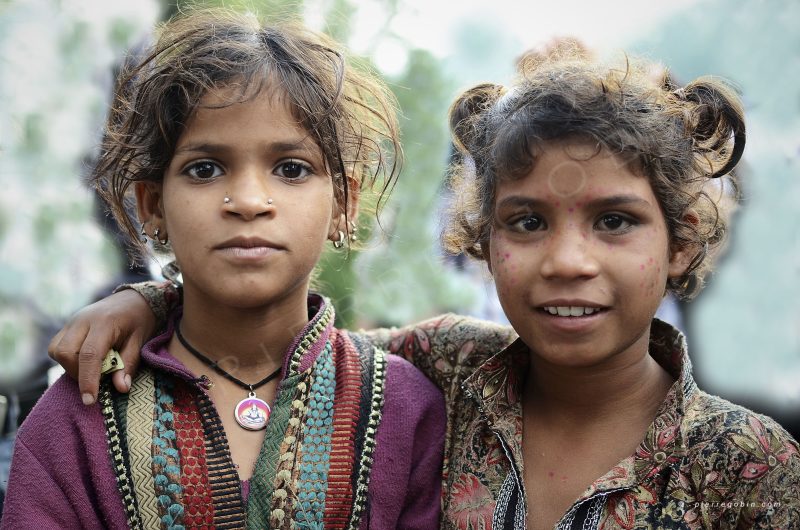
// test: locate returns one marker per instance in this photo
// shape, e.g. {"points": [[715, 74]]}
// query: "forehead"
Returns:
{"points": [[231, 112], [576, 170]]}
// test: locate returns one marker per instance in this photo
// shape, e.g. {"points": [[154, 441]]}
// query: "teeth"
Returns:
{"points": [[571, 311]]}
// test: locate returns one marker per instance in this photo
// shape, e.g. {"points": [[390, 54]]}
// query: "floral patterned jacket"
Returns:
{"points": [[704, 462]]}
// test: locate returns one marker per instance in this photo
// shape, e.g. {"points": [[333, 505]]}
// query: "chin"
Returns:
{"points": [[579, 354]]}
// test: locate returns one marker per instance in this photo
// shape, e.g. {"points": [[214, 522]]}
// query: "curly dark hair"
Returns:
{"points": [[679, 138], [348, 111]]}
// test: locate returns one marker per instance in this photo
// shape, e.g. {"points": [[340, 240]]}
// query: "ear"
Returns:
{"points": [[339, 221], [681, 257], [149, 204]]}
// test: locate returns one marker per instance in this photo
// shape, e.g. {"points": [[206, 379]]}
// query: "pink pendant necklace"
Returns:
{"points": [[251, 413]]}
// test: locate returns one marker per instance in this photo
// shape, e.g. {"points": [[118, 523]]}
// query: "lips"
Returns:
{"points": [[248, 251], [247, 243]]}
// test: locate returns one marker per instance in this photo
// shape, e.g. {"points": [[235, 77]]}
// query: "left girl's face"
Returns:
{"points": [[247, 201], [580, 255]]}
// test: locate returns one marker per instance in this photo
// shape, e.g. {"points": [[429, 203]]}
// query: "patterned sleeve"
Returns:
{"points": [[773, 499], [446, 348], [162, 297]]}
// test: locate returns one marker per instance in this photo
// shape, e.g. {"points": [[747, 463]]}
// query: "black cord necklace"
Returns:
{"points": [[252, 412]]}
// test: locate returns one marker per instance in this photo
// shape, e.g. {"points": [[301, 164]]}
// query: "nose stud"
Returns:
{"points": [[227, 200]]}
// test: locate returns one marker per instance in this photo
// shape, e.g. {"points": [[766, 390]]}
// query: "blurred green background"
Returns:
{"points": [[56, 63]]}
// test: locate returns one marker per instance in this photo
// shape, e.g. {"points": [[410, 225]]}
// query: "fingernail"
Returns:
{"points": [[127, 380], [87, 398]]}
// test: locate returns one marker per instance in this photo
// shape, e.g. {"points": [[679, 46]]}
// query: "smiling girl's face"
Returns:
{"points": [[580, 255]]}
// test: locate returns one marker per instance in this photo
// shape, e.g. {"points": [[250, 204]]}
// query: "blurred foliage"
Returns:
{"points": [[54, 83], [401, 277]]}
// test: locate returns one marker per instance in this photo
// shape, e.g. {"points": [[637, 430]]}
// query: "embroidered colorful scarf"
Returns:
{"points": [[174, 468]]}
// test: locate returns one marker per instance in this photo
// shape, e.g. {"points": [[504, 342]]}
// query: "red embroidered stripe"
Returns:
{"points": [[198, 508], [339, 497]]}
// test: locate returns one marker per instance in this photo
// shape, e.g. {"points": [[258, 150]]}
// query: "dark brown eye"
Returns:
{"points": [[293, 170], [612, 222], [203, 170], [615, 223], [529, 223]]}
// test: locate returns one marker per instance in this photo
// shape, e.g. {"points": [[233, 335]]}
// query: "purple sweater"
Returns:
{"points": [[62, 477]]}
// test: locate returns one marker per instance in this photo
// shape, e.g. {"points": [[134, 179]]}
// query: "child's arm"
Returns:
{"points": [[446, 348], [124, 321]]}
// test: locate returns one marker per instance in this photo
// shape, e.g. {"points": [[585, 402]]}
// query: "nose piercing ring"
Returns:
{"points": [[269, 201], [226, 200]]}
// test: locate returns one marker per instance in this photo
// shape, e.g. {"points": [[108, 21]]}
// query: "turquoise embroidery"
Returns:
{"points": [[316, 448], [166, 458]]}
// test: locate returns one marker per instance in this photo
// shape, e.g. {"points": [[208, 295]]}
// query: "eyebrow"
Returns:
{"points": [[275, 147], [599, 203]]}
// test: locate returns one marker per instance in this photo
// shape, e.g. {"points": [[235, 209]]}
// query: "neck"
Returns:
{"points": [[630, 385], [253, 339]]}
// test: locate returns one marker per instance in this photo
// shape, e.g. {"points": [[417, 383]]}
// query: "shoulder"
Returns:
{"points": [[406, 390], [448, 335], [711, 418], [413, 407], [405, 381], [62, 434], [744, 448], [401, 380], [59, 411]]}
